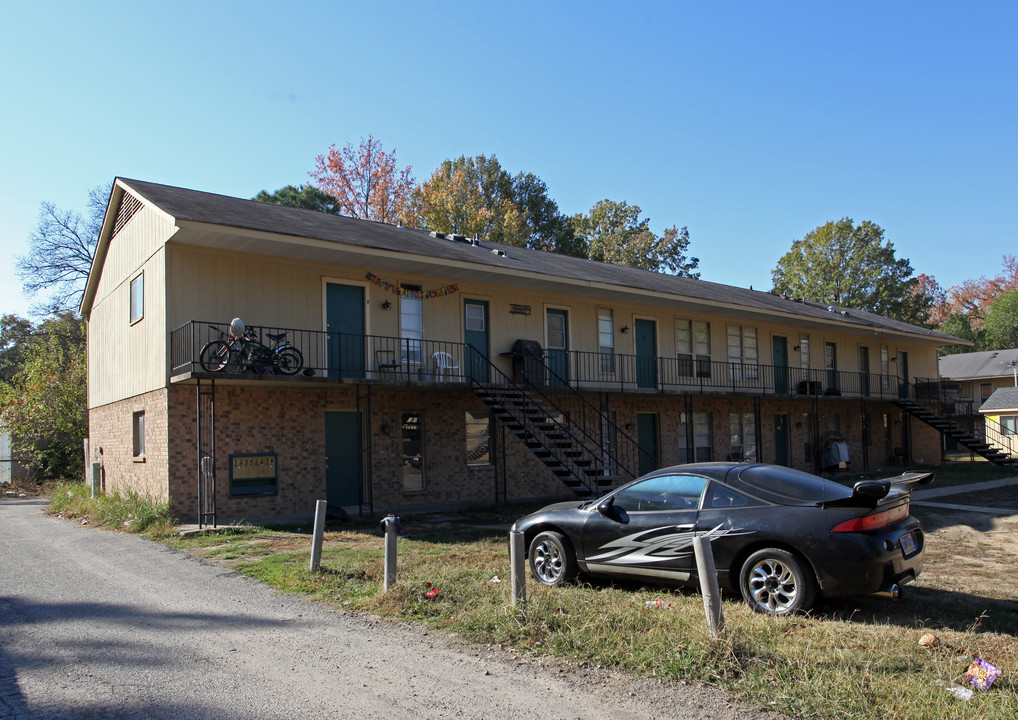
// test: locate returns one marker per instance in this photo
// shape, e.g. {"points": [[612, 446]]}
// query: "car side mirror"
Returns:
{"points": [[607, 507]]}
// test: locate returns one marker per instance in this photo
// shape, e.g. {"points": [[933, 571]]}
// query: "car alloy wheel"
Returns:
{"points": [[552, 559], [775, 582]]}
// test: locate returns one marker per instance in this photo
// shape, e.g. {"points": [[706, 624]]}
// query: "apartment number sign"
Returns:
{"points": [[415, 294]]}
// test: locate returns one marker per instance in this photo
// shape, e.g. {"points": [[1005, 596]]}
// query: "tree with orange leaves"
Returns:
{"points": [[366, 182], [974, 297]]}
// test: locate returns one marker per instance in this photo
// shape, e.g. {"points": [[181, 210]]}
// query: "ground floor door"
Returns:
{"points": [[343, 471], [344, 323], [647, 439], [781, 441]]}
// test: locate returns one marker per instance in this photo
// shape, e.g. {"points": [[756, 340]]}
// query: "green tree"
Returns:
{"points": [[44, 404], [60, 250], [960, 326], [613, 232], [306, 197], [14, 334], [853, 266], [1002, 323]]}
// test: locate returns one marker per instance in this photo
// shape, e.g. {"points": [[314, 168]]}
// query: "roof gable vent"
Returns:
{"points": [[129, 205]]}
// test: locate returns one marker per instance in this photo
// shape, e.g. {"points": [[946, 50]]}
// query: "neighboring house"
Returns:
{"points": [[10, 466], [442, 370], [979, 374], [1001, 413]]}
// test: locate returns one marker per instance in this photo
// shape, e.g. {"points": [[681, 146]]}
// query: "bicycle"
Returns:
{"points": [[241, 350]]}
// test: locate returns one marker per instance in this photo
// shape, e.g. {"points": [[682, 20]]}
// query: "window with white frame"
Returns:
{"points": [[703, 450], [138, 435], [804, 355], [478, 437], [411, 323], [138, 298], [1009, 424], [413, 450], [606, 339], [692, 347], [743, 352], [885, 368], [743, 431]]}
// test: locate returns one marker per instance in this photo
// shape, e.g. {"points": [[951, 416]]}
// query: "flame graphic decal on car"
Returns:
{"points": [[656, 545]]}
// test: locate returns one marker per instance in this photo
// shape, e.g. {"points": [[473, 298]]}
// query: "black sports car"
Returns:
{"points": [[778, 535]]}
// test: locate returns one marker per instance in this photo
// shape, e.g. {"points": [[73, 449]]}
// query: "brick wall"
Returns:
{"points": [[111, 443]]}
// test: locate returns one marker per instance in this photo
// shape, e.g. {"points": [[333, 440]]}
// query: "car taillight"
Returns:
{"points": [[875, 521]]}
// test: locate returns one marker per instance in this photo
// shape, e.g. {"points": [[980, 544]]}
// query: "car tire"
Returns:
{"points": [[776, 582], [552, 560]]}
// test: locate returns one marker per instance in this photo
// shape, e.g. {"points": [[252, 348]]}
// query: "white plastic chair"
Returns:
{"points": [[444, 365]]}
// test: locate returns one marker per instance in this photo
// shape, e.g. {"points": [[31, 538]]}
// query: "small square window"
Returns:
{"points": [[138, 298], [138, 435]]}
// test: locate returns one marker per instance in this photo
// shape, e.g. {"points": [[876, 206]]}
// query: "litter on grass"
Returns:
{"points": [[982, 674]]}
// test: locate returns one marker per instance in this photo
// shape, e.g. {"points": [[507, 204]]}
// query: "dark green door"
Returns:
{"points": [[646, 353], [343, 458], [647, 438], [780, 365], [475, 333], [902, 374], [781, 440], [864, 370], [344, 322], [557, 331]]}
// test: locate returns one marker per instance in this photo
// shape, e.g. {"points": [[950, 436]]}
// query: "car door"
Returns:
{"points": [[730, 520], [645, 529]]}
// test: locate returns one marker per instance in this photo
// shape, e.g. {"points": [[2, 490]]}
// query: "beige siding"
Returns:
{"points": [[215, 286], [126, 359]]}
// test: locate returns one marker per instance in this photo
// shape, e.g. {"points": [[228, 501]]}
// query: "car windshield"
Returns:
{"points": [[785, 485]]}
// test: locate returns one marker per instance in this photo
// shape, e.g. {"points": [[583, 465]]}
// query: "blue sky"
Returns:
{"points": [[749, 122]]}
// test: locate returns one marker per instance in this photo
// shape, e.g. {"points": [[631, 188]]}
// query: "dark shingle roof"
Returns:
{"points": [[204, 207], [1001, 399], [969, 366]]}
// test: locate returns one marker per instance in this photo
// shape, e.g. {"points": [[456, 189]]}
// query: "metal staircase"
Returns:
{"points": [[952, 422], [582, 446]]}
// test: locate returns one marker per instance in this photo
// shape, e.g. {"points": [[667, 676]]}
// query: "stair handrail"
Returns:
{"points": [[587, 442]]}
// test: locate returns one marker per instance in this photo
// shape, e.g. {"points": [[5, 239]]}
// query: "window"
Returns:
{"points": [[411, 323], [885, 368], [1009, 424], [703, 450], [606, 339], [721, 496], [138, 298], [666, 492], [473, 317], [692, 347], [138, 435], [743, 429], [804, 355], [743, 354], [413, 451], [985, 390], [831, 364], [478, 437]]}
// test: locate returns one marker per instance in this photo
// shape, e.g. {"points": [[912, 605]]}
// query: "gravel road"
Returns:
{"points": [[98, 624]]}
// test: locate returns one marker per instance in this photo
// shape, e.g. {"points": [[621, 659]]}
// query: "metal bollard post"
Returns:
{"points": [[518, 565], [391, 527], [319, 535], [709, 585]]}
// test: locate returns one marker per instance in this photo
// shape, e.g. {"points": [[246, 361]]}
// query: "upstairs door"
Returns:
{"points": [[475, 333], [902, 374], [344, 323], [646, 353], [557, 337], [864, 370], [780, 365]]}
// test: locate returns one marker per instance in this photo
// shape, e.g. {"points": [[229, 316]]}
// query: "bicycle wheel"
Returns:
{"points": [[289, 361], [215, 356]]}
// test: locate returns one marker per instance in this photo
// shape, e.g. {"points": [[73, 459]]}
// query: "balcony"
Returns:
{"points": [[354, 358]]}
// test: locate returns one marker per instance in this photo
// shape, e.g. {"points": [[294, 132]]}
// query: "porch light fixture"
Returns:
{"points": [[387, 305], [625, 329]]}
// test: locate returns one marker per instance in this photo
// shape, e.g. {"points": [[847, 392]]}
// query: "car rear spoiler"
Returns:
{"points": [[911, 480]]}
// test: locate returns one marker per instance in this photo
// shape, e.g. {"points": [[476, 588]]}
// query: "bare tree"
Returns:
{"points": [[60, 251]]}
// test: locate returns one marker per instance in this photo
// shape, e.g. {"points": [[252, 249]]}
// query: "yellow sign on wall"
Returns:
{"points": [[251, 467]]}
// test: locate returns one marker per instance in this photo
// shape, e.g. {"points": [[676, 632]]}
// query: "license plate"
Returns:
{"points": [[908, 545]]}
